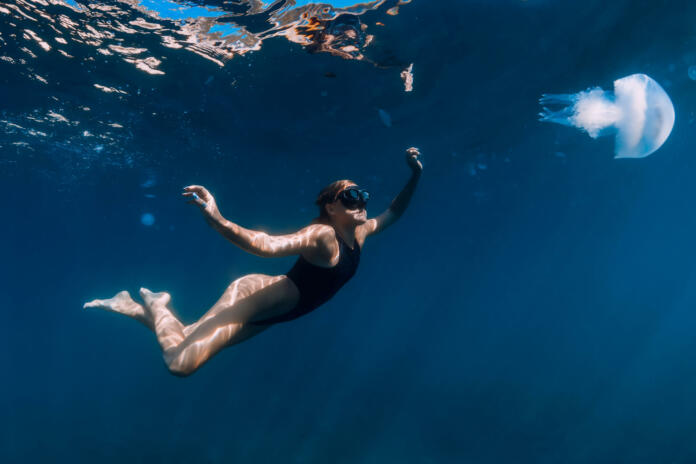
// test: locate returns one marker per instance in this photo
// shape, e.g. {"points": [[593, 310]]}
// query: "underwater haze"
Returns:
{"points": [[535, 304]]}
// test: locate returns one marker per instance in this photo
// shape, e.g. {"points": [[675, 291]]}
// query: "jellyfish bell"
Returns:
{"points": [[648, 116], [639, 113]]}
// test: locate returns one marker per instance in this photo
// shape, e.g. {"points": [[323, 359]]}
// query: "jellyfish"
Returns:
{"points": [[639, 113]]}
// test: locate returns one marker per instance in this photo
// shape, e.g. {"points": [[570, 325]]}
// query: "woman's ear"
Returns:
{"points": [[330, 208]]}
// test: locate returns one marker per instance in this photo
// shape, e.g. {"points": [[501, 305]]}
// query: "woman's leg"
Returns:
{"points": [[254, 296], [186, 348], [168, 328], [154, 314]]}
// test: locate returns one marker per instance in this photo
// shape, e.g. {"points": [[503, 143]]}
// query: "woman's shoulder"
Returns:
{"points": [[325, 244], [323, 232], [320, 228], [320, 234]]}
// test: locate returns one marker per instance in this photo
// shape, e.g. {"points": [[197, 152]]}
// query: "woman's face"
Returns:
{"points": [[340, 214]]}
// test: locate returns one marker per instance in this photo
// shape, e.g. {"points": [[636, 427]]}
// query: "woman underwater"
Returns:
{"points": [[329, 250]]}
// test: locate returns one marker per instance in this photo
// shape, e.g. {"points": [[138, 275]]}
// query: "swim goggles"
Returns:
{"points": [[353, 198]]}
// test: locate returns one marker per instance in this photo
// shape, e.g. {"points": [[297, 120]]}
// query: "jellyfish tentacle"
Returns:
{"points": [[563, 115], [596, 112], [558, 99]]}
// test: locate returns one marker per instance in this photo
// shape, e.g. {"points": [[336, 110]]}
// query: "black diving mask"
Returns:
{"points": [[353, 198]]}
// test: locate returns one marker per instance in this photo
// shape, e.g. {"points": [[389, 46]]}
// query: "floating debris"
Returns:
{"points": [[106, 89], [57, 117], [407, 77], [147, 64], [127, 50]]}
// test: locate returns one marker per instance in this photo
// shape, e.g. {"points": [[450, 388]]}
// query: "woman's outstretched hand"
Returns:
{"points": [[201, 197], [413, 161]]}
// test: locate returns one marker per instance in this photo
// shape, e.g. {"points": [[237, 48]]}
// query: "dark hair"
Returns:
{"points": [[328, 195]]}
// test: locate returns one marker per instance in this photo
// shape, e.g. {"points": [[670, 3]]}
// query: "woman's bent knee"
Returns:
{"points": [[181, 369], [180, 372], [179, 365]]}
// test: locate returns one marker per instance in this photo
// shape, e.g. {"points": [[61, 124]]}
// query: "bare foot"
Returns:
{"points": [[168, 327], [154, 300], [122, 303]]}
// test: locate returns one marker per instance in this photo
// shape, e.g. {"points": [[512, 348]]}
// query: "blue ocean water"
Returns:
{"points": [[535, 304]]}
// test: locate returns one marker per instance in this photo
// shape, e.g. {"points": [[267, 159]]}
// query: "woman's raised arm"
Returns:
{"points": [[255, 242], [400, 203]]}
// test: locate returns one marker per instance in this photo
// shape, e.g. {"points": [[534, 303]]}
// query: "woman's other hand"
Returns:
{"points": [[201, 197], [412, 158]]}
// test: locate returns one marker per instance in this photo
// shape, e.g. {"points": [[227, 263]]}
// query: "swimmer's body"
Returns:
{"points": [[329, 250]]}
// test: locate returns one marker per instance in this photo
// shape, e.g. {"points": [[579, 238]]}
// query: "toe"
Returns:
{"points": [[91, 304]]}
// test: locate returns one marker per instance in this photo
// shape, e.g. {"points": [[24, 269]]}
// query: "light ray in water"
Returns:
{"points": [[639, 113]]}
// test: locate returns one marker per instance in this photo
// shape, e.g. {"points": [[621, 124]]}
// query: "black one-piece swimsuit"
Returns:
{"points": [[318, 284]]}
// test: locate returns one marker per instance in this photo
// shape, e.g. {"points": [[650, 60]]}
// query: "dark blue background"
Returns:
{"points": [[534, 305]]}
